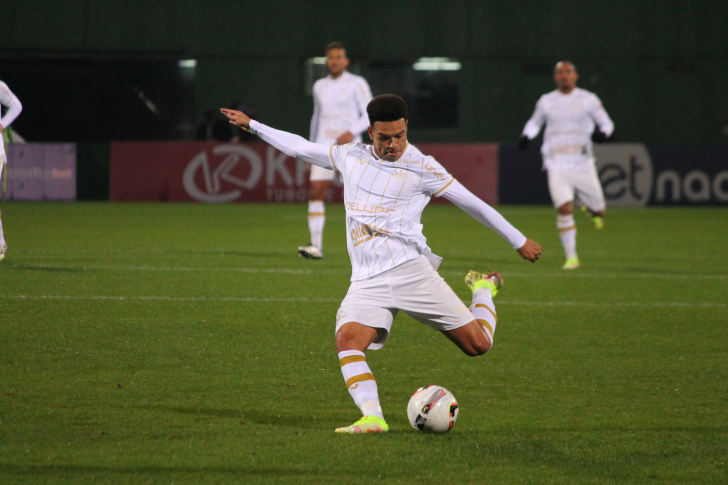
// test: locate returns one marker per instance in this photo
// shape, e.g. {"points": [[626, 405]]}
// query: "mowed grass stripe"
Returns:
{"points": [[212, 269], [682, 304]]}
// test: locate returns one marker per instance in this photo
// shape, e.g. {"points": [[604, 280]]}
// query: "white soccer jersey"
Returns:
{"points": [[570, 120], [339, 105], [7, 98], [384, 200]]}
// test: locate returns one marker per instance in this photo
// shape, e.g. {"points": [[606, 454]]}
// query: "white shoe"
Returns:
{"points": [[3, 249], [311, 252]]}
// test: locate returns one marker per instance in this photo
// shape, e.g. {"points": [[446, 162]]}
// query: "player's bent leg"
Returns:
{"points": [[470, 338], [352, 340], [476, 338]]}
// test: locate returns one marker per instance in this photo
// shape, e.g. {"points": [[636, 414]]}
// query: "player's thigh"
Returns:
{"points": [[420, 292], [589, 189], [561, 188], [321, 174]]}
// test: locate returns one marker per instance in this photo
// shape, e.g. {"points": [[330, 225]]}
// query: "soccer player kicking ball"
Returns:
{"points": [[570, 115], [386, 187]]}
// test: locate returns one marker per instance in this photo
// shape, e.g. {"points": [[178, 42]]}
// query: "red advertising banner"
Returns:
{"points": [[257, 172]]}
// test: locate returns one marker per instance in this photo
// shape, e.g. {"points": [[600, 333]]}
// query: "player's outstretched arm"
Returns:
{"points": [[290, 144], [8, 99], [489, 217]]}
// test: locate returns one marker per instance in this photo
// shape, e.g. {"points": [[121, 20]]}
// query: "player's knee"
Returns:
{"points": [[566, 209], [477, 348]]}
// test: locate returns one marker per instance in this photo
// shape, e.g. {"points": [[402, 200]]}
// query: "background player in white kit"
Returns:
{"points": [[7, 98], [386, 187], [570, 114], [339, 117]]}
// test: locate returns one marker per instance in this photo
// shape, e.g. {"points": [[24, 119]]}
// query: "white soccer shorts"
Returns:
{"points": [[413, 287], [320, 173], [585, 185]]}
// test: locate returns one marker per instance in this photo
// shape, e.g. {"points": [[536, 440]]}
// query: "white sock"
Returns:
{"points": [[360, 382], [483, 310], [316, 220], [567, 232]]}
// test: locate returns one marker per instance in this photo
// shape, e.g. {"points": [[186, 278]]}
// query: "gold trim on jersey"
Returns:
{"points": [[331, 156], [446, 186]]}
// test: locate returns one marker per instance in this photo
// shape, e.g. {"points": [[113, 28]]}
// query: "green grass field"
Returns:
{"points": [[182, 343]]}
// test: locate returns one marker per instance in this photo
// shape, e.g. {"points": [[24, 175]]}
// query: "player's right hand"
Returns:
{"points": [[237, 118], [523, 142], [530, 251]]}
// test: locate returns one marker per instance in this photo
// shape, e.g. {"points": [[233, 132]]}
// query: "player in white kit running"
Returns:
{"points": [[7, 98], [386, 187], [570, 114], [339, 117]]}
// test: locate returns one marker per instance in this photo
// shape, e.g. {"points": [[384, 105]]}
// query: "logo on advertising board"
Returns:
{"points": [[241, 168], [626, 173], [233, 172]]}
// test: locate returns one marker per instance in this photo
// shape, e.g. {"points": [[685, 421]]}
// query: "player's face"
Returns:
{"points": [[336, 61], [389, 139], [565, 76]]}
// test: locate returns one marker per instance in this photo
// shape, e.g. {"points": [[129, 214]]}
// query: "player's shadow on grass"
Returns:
{"points": [[252, 416]]}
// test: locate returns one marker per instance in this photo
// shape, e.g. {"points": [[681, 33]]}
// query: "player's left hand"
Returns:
{"points": [[237, 118], [344, 139], [530, 251]]}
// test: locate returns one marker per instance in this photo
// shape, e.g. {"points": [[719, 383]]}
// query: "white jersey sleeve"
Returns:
{"points": [[601, 118], [435, 179], [315, 119], [294, 145], [533, 126], [363, 95], [483, 213], [7, 98]]}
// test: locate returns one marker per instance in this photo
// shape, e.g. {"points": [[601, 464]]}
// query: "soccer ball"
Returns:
{"points": [[432, 409]]}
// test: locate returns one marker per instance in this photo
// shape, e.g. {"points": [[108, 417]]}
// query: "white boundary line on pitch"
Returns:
{"points": [[679, 304], [570, 274]]}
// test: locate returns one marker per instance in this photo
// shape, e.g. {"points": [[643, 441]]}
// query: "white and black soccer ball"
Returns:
{"points": [[432, 409]]}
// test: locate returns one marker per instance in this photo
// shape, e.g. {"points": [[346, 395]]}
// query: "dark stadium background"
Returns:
{"points": [[87, 70]]}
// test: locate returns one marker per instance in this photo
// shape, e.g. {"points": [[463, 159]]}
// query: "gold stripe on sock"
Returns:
{"points": [[359, 378], [486, 325], [480, 305], [312, 214], [352, 359], [566, 229]]}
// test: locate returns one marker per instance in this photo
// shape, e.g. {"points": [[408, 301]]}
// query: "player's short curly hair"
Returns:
{"points": [[335, 45], [387, 107]]}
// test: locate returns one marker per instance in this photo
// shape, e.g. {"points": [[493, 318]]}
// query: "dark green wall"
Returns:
{"points": [[660, 67]]}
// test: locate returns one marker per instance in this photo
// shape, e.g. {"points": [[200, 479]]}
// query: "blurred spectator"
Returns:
{"points": [[213, 127]]}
